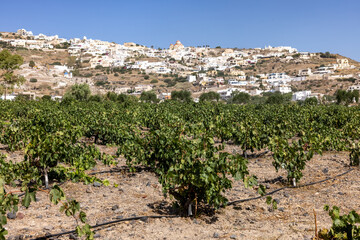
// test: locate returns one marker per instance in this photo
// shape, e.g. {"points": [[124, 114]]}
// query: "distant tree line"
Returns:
{"points": [[327, 55], [346, 97]]}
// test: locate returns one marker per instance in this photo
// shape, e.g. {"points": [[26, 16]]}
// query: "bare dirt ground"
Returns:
{"points": [[139, 194]]}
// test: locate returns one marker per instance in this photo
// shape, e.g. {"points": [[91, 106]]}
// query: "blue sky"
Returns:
{"points": [[316, 25]]}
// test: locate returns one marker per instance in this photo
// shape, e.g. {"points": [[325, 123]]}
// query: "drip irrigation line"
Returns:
{"points": [[143, 218], [254, 198], [326, 179], [119, 170], [258, 155], [289, 187], [102, 172]]}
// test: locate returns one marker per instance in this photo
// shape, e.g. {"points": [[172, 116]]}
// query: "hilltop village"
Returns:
{"points": [[53, 64]]}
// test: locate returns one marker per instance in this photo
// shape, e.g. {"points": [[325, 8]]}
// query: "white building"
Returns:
{"points": [[354, 87], [164, 96], [10, 97], [162, 70], [281, 49], [23, 32], [142, 88], [324, 70], [237, 83], [305, 72], [301, 95], [227, 93], [191, 78], [56, 98], [343, 63], [120, 90], [283, 89], [274, 78]]}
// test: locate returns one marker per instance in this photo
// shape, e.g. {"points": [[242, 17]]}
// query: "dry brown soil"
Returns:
{"points": [[139, 194]]}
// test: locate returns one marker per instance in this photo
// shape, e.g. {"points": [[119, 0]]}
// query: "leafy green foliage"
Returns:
{"points": [[344, 227], [346, 97], [278, 98], [31, 64], [291, 157], [183, 96], [192, 169], [327, 55], [8, 64], [148, 97], [209, 96], [239, 98], [311, 101], [184, 143], [154, 81], [80, 92]]}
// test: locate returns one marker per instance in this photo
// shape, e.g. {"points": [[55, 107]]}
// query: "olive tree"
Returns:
{"points": [[8, 64], [79, 92], [210, 96], [182, 96], [148, 97]]}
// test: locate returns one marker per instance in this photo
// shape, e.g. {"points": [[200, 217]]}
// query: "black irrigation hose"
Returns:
{"points": [[176, 216], [326, 179], [119, 170], [254, 198], [102, 172], [258, 155], [280, 189], [144, 218]]}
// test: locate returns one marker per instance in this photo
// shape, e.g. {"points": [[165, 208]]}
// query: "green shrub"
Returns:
{"points": [[278, 98], [31, 64], [210, 96], [343, 227], [76, 73], [46, 97], [239, 98], [101, 83], [193, 170], [327, 55], [80, 92], [311, 101], [183, 96], [96, 98], [148, 97], [33, 80]]}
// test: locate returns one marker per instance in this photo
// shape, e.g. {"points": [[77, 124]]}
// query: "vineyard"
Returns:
{"points": [[204, 163]]}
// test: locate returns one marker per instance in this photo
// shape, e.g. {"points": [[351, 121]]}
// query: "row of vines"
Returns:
{"points": [[182, 143]]}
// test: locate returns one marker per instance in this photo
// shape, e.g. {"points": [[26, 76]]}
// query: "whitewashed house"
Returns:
{"points": [[191, 78], [227, 93], [354, 87], [10, 97], [305, 72], [301, 95], [237, 83], [282, 89]]}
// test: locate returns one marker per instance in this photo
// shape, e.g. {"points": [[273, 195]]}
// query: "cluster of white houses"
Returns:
{"points": [[199, 64]]}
